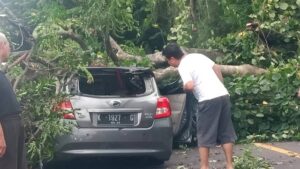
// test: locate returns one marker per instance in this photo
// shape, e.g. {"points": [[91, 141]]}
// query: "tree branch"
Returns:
{"points": [[21, 56], [111, 52], [120, 53], [20, 59], [192, 6], [44, 62], [20, 78], [75, 37], [244, 69]]}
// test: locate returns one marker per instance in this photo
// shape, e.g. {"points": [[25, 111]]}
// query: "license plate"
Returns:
{"points": [[116, 118]]}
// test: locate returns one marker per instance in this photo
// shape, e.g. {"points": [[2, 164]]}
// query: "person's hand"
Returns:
{"points": [[2, 142]]}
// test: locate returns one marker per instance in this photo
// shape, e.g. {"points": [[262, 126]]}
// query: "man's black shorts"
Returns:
{"points": [[214, 124]]}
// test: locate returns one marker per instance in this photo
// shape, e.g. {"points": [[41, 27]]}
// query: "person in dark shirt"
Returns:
{"points": [[12, 140]]}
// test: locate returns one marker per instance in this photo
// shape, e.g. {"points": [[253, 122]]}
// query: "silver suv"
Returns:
{"points": [[119, 113]]}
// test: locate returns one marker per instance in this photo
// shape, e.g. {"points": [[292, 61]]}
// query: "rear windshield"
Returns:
{"points": [[117, 84]]}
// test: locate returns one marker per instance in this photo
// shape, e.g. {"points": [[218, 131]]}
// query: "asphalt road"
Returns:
{"points": [[280, 155]]}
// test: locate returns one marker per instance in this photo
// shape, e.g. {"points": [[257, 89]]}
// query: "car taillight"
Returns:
{"points": [[163, 109], [66, 107]]}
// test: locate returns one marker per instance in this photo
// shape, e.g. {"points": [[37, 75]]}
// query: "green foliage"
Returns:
{"points": [[92, 20], [236, 14], [241, 48], [264, 106], [130, 48], [181, 30], [51, 25], [248, 161], [43, 123], [153, 19], [273, 40], [55, 26], [106, 15], [193, 25], [51, 11]]}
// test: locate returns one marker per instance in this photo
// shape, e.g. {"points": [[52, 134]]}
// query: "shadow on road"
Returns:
{"points": [[107, 163]]}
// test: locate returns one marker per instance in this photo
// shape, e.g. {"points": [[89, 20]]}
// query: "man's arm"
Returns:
{"points": [[188, 86], [2, 142], [217, 70]]}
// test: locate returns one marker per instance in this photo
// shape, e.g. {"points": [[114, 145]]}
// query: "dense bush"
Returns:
{"points": [[265, 107]]}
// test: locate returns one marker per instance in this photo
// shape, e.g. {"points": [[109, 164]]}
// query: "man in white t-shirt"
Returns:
{"points": [[203, 77]]}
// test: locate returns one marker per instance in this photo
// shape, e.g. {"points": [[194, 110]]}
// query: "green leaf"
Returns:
{"points": [[276, 77], [238, 91], [298, 2], [278, 96], [274, 136], [250, 121], [283, 5], [264, 126], [260, 115], [255, 91], [272, 15], [265, 88], [237, 114]]}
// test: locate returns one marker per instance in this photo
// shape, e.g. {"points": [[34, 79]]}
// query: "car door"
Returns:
{"points": [[184, 107], [177, 103]]}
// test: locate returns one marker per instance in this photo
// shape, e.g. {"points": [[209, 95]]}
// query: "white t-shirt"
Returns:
{"points": [[199, 69]]}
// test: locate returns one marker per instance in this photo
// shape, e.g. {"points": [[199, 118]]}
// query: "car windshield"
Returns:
{"points": [[117, 83]]}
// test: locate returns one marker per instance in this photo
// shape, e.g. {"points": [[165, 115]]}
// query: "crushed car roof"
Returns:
{"points": [[133, 70]]}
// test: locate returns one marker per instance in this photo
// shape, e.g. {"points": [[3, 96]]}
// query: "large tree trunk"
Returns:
{"points": [[163, 71], [241, 70]]}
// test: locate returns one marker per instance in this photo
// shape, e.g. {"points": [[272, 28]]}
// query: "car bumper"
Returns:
{"points": [[155, 142]]}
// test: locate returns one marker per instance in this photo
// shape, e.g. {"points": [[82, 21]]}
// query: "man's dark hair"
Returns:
{"points": [[172, 50]]}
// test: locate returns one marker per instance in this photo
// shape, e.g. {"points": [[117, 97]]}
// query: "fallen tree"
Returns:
{"points": [[75, 34], [36, 66], [36, 61], [162, 70]]}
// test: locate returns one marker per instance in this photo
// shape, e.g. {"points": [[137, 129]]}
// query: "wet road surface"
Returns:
{"points": [[279, 155]]}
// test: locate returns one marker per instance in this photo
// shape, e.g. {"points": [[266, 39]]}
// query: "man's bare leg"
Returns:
{"points": [[204, 153], [228, 154]]}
